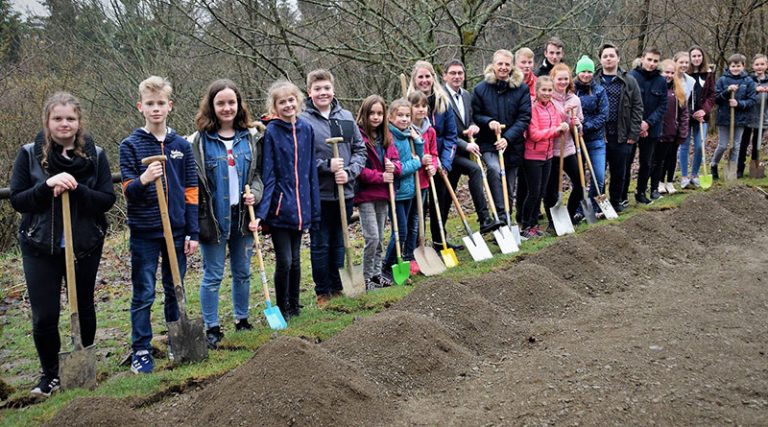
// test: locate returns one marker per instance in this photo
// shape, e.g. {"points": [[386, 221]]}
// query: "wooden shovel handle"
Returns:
{"points": [[257, 246], [419, 202], [394, 218], [150, 159], [487, 188], [577, 144], [562, 164], [455, 200], [69, 260], [170, 245]]}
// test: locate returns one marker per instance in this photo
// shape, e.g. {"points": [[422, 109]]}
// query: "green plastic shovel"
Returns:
{"points": [[401, 270]]}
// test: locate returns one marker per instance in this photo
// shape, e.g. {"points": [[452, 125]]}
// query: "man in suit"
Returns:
{"points": [[463, 164]]}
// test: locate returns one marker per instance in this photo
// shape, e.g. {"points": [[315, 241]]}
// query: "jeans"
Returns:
{"points": [[144, 255], [287, 278], [214, 258], [684, 150], [748, 138], [373, 219], [596, 150], [723, 137], [402, 208], [493, 173], [617, 156], [466, 166], [646, 146], [327, 248], [571, 168], [44, 274], [412, 236], [536, 176]]}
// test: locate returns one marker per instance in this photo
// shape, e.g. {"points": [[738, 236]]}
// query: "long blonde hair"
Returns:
{"points": [[677, 84], [442, 101]]}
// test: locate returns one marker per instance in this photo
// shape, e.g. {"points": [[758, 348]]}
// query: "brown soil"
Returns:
{"points": [[97, 411], [656, 320]]}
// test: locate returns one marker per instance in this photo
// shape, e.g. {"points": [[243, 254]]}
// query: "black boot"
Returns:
{"points": [[488, 225], [713, 170]]}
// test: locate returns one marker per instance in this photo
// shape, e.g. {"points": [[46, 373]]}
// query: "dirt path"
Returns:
{"points": [[658, 320]]}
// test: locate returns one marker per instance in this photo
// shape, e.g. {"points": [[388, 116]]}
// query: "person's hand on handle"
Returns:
{"points": [[699, 115], [255, 226], [388, 166], [388, 177], [426, 160], [431, 169], [190, 246], [501, 144], [249, 199], [341, 176], [414, 134], [733, 88], [564, 127], [495, 126], [337, 163], [733, 103], [153, 172], [61, 182]]}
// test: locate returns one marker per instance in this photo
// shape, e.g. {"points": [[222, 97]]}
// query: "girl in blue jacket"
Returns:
{"points": [[399, 116], [290, 204]]}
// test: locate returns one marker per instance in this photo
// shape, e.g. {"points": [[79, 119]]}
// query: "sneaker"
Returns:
{"points": [[695, 181], [415, 268], [641, 199], [624, 203], [323, 300], [671, 188], [656, 195], [529, 233], [684, 182], [370, 285], [45, 387], [142, 362], [662, 187], [577, 218], [713, 171], [214, 337], [243, 325], [551, 230], [539, 231], [617, 206]]}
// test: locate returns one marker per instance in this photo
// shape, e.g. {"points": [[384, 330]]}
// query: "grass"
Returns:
{"points": [[20, 364]]}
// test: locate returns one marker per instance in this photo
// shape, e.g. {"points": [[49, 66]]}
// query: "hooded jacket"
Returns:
{"points": [[371, 185], [630, 107], [542, 131], [405, 184], [754, 117], [179, 181], [653, 88], [566, 102], [745, 95], [291, 197], [676, 119], [427, 133], [509, 103], [594, 104], [339, 123]]}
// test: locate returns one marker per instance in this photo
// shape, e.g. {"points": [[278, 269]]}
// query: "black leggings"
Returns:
{"points": [[287, 276], [571, 168], [665, 153], [536, 174], [749, 137], [44, 275]]}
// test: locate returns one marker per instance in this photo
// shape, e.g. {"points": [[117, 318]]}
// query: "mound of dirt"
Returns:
{"points": [[526, 290], [404, 351], [288, 381], [653, 232], [471, 319], [97, 411], [704, 219], [749, 204]]}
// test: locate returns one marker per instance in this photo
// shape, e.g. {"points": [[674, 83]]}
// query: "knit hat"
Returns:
{"points": [[585, 64]]}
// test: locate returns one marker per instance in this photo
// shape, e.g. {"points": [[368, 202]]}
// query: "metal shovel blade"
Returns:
{"points": [[77, 368], [186, 339], [756, 170], [401, 271], [607, 208], [561, 219], [515, 229], [429, 261], [477, 247], [730, 171], [449, 257], [504, 239], [352, 281], [274, 317], [588, 211]]}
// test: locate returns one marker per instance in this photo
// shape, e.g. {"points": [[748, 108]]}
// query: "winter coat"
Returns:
{"points": [[531, 83], [703, 96], [653, 88], [405, 184], [213, 180], [291, 186], [179, 179], [427, 133], [509, 103], [675, 126], [745, 95], [371, 185], [594, 104], [339, 123], [544, 68], [564, 103], [446, 133], [630, 107], [543, 131], [41, 228], [754, 118]]}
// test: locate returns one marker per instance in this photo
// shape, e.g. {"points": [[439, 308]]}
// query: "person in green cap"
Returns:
{"points": [[594, 104]]}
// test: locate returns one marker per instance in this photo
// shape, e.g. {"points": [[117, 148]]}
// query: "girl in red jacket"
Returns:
{"points": [[548, 122], [381, 166]]}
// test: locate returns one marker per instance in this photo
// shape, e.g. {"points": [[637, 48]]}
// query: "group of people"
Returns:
{"points": [[516, 120]]}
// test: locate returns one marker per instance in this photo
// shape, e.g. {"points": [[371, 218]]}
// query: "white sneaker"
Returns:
{"points": [[671, 188], [696, 183], [662, 187], [684, 181]]}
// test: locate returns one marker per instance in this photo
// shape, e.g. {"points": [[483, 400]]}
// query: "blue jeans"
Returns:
{"points": [[596, 151], [214, 258], [144, 255], [327, 248], [402, 207], [685, 148], [412, 237]]}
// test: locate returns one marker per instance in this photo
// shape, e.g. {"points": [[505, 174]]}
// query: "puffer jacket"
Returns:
{"points": [[565, 102], [676, 120], [428, 134], [509, 103], [405, 184], [542, 131], [371, 185], [745, 95], [594, 104]]}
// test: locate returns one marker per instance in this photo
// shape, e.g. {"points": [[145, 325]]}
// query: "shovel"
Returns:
{"points": [[510, 229], [602, 201], [351, 276], [77, 368], [186, 337], [756, 170], [504, 239], [730, 169], [274, 317], [705, 179], [474, 242], [401, 270], [426, 257], [449, 256], [560, 218], [586, 204]]}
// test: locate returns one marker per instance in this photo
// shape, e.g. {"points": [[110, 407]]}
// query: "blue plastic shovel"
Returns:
{"points": [[274, 317]]}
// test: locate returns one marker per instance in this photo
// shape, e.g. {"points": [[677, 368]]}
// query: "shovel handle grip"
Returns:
{"points": [[257, 246], [150, 159]]}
